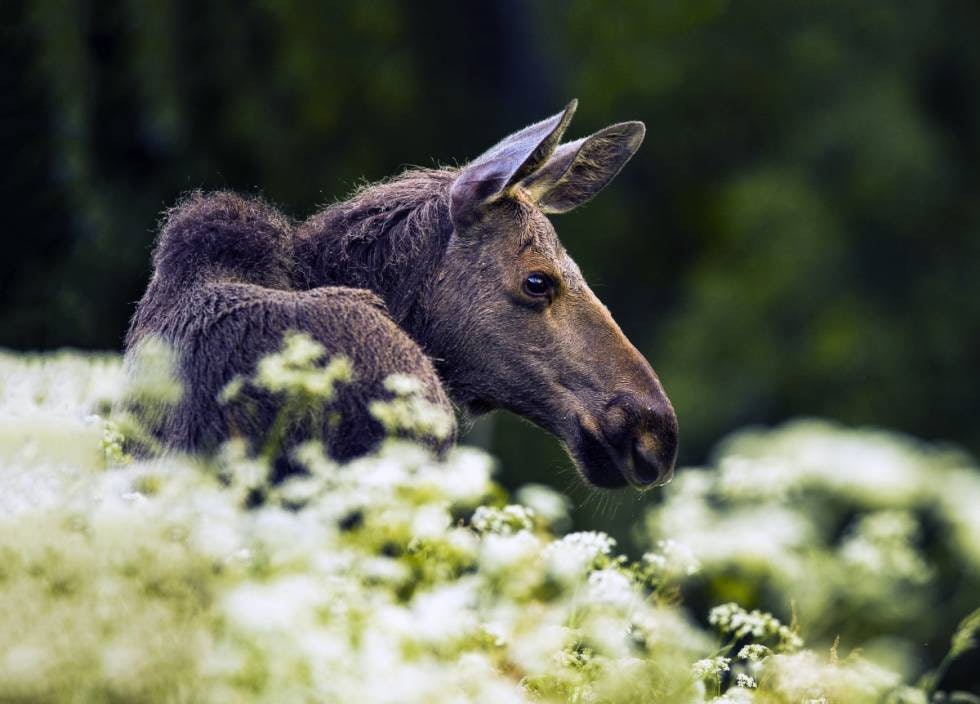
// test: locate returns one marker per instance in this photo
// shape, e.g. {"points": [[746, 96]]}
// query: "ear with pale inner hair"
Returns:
{"points": [[503, 166], [578, 170]]}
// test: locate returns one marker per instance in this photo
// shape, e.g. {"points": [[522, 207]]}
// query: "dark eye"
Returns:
{"points": [[537, 285]]}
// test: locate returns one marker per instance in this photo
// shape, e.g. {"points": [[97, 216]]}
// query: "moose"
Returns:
{"points": [[452, 275]]}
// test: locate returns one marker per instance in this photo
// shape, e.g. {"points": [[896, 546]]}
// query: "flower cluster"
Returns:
{"points": [[670, 561], [576, 554], [711, 667], [408, 412], [850, 533], [294, 370], [734, 621], [506, 520]]}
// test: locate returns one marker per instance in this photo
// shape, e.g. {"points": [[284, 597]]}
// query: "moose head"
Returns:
{"points": [[513, 324]]}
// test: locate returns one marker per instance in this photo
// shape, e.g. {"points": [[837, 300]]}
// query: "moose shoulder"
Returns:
{"points": [[455, 276]]}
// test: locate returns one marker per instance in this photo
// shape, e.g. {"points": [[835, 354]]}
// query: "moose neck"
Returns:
{"points": [[388, 238]]}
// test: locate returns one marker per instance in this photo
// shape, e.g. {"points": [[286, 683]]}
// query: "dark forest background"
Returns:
{"points": [[799, 234]]}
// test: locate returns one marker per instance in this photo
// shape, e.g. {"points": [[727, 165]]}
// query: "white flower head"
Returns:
{"points": [[509, 519], [732, 619], [754, 652], [500, 553], [551, 506], [710, 667], [671, 561], [576, 553], [610, 587], [404, 384]]}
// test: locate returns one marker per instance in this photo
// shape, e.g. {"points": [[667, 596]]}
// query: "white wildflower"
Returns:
{"points": [[611, 587], [284, 604], [383, 569], [671, 560], [805, 676], [754, 652], [404, 384], [576, 553], [500, 553], [414, 416], [430, 521], [466, 477], [733, 620], [710, 667], [462, 542], [551, 506], [444, 614], [608, 634], [538, 645], [510, 519], [735, 695], [884, 542], [151, 376]]}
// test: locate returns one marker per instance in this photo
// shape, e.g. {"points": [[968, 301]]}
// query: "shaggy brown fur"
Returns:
{"points": [[223, 296], [426, 274]]}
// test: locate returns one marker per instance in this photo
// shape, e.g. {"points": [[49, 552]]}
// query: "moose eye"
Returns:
{"points": [[537, 285]]}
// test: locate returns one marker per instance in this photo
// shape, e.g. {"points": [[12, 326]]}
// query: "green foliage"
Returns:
{"points": [[400, 578]]}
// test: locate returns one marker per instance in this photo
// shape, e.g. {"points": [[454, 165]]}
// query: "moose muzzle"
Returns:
{"points": [[642, 434], [631, 441]]}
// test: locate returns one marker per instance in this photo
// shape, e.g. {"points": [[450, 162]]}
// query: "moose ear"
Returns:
{"points": [[502, 166], [580, 169]]}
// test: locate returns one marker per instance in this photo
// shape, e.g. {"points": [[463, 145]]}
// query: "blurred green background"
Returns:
{"points": [[799, 234]]}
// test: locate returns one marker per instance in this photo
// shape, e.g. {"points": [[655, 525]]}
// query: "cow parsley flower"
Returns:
{"points": [[884, 542], [404, 384], [464, 480], [735, 695], [754, 652], [549, 505], [610, 587], [113, 441], [409, 412], [151, 376], [732, 619], [671, 561], [445, 613], [576, 553], [710, 667], [294, 370], [431, 521], [510, 519], [502, 552]]}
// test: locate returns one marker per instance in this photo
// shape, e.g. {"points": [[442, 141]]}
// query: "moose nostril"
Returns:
{"points": [[653, 461], [655, 446], [647, 445]]}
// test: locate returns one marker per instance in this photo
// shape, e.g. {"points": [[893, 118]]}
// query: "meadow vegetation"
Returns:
{"points": [[807, 563]]}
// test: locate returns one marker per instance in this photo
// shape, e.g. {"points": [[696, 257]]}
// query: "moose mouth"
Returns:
{"points": [[641, 459], [641, 464]]}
